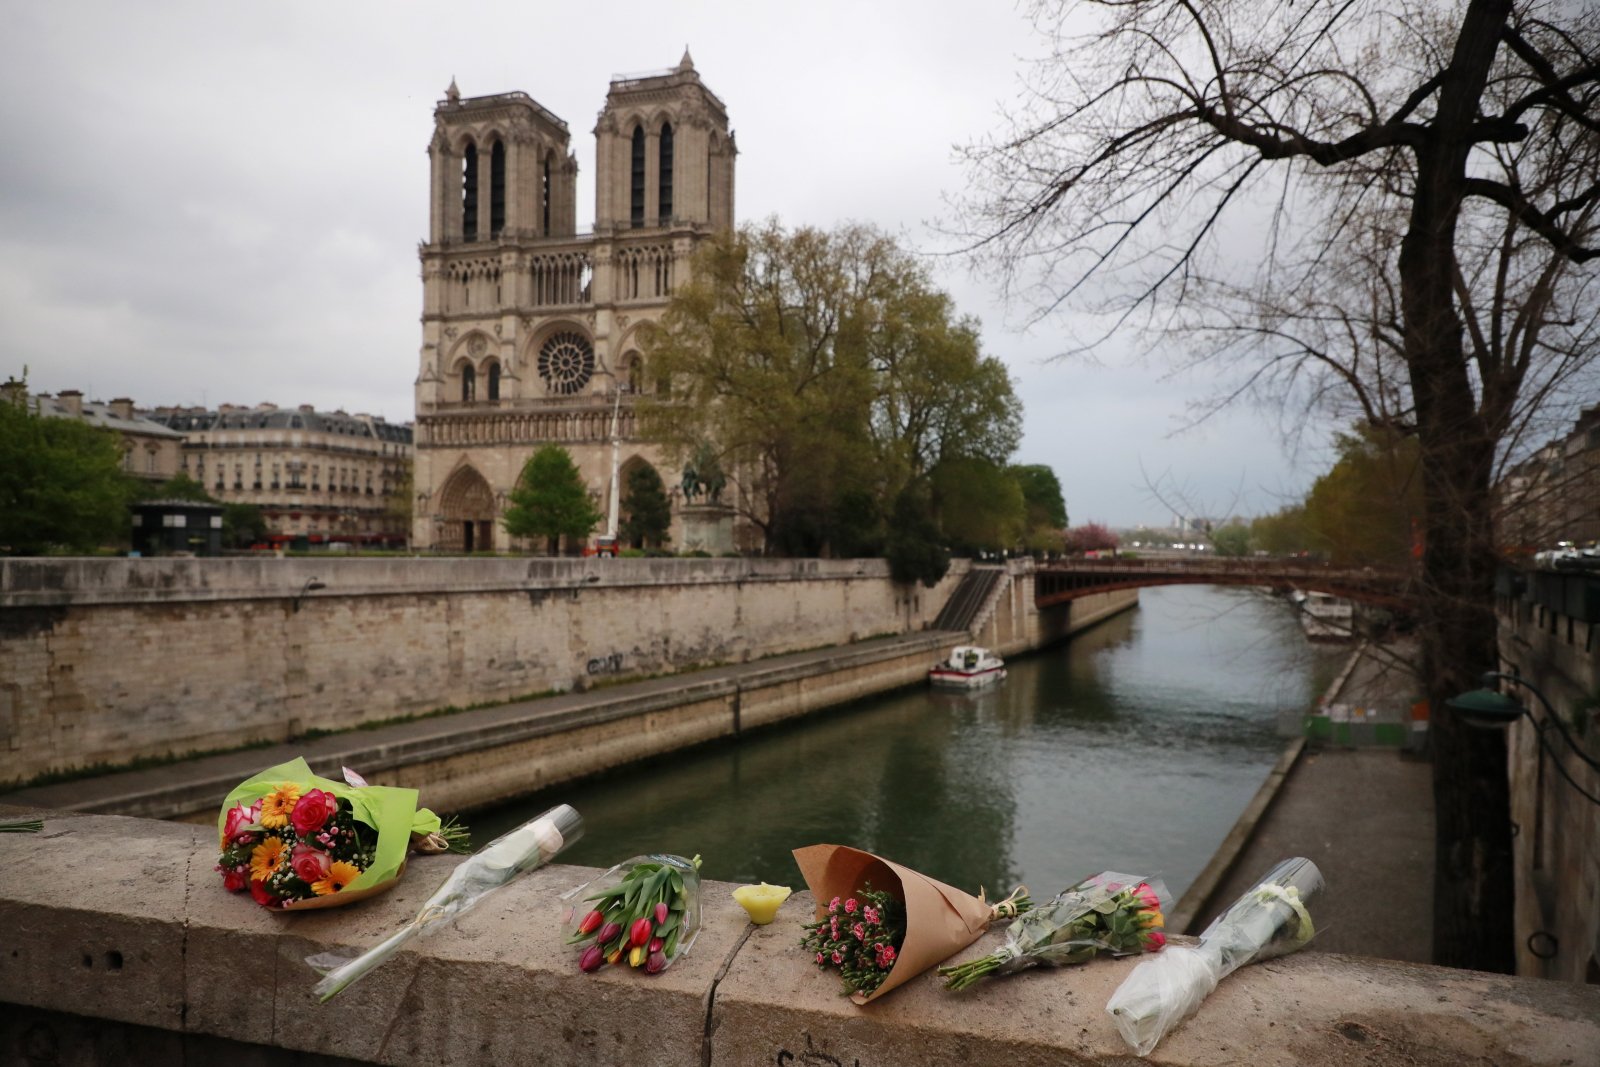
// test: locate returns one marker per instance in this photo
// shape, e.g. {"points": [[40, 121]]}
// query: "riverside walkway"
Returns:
{"points": [[1363, 815]]}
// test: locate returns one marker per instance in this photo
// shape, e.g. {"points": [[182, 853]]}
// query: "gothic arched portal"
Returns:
{"points": [[466, 507]]}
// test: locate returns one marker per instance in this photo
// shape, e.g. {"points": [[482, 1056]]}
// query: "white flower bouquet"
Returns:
{"points": [[1272, 919], [533, 844]]}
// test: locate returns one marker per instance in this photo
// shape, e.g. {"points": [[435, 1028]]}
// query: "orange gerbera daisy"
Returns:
{"points": [[340, 875], [277, 807], [266, 858]]}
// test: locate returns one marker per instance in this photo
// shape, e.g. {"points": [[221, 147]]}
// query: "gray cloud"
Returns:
{"points": [[205, 203]]}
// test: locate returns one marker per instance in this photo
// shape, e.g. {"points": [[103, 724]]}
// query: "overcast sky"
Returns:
{"points": [[204, 203]]}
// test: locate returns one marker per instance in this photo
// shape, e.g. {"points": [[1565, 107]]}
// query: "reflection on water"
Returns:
{"points": [[1134, 747]]}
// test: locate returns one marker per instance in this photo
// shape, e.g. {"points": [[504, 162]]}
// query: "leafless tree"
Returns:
{"points": [[1416, 184]]}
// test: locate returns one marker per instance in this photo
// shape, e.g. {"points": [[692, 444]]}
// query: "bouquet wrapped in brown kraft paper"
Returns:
{"points": [[880, 924]]}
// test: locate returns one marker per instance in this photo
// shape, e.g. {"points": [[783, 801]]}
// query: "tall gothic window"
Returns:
{"points": [[469, 383], [544, 196], [636, 206], [469, 194], [665, 184], [494, 381], [497, 188]]}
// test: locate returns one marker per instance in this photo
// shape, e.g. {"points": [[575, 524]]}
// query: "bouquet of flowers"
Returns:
{"points": [[1115, 913], [644, 912], [298, 841], [919, 920], [1271, 919], [860, 937], [515, 852]]}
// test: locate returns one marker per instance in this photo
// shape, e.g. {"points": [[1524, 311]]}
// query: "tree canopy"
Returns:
{"points": [[62, 486], [550, 500], [646, 511], [1415, 186], [829, 376]]}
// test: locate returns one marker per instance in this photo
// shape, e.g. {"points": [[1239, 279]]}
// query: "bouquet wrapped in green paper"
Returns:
{"points": [[296, 840]]}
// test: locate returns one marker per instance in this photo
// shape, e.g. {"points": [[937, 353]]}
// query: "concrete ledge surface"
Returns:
{"points": [[125, 920]]}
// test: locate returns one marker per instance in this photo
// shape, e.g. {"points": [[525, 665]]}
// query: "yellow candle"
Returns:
{"points": [[762, 901]]}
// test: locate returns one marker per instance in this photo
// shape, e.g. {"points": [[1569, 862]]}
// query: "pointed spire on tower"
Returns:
{"points": [[686, 64], [452, 94]]}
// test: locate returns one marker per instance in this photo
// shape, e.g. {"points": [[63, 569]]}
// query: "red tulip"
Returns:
{"points": [[591, 959], [655, 964], [661, 913], [640, 932], [591, 922], [655, 944], [608, 933]]}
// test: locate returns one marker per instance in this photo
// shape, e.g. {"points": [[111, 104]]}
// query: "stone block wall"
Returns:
{"points": [[1557, 843], [108, 660]]}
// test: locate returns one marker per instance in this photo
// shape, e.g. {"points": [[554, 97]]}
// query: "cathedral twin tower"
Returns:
{"points": [[528, 327]]}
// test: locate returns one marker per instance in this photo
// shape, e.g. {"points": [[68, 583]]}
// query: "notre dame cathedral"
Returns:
{"points": [[529, 328]]}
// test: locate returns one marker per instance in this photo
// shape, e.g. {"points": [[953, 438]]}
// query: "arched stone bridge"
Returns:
{"points": [[1066, 580]]}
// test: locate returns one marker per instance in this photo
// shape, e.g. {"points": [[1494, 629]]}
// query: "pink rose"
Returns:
{"points": [[1153, 940], [310, 864], [1147, 897], [313, 810], [239, 817]]}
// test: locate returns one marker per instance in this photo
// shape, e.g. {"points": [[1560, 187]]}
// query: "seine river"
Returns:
{"points": [[1134, 747]]}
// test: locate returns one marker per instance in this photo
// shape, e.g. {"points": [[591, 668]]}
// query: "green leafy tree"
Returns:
{"points": [[1045, 511], [243, 525], [827, 373], [1231, 540], [647, 513], [1366, 509], [979, 505], [179, 487], [550, 500], [1283, 533], [61, 482], [915, 549]]}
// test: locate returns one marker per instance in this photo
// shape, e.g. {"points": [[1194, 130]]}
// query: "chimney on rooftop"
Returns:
{"points": [[72, 400], [122, 407]]}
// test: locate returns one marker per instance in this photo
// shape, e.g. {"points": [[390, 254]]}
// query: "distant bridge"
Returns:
{"points": [[1060, 582]]}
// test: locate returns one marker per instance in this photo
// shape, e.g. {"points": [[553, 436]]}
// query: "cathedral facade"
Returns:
{"points": [[530, 328]]}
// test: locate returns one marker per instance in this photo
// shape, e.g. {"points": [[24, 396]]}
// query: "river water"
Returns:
{"points": [[1134, 747]]}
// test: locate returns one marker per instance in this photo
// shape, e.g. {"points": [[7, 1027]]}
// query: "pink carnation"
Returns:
{"points": [[837, 959], [833, 905], [860, 932], [850, 906], [870, 913]]}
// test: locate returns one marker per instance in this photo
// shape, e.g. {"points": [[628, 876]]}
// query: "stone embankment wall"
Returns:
{"points": [[108, 660], [1550, 634], [154, 963]]}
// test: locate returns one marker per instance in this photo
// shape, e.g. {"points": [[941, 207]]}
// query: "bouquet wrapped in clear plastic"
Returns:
{"points": [[1119, 914], [533, 844], [643, 913], [1271, 919]]}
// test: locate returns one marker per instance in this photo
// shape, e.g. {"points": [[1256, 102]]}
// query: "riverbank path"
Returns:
{"points": [[1365, 817]]}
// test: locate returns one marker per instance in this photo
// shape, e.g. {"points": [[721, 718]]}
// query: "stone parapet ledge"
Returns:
{"points": [[124, 919]]}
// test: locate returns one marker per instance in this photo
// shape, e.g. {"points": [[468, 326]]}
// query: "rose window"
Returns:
{"points": [[566, 362]]}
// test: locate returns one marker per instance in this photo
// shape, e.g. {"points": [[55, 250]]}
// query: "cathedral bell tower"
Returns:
{"points": [[531, 330], [663, 154]]}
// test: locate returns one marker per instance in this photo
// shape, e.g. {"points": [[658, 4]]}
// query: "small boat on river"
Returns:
{"points": [[1325, 617], [968, 667]]}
